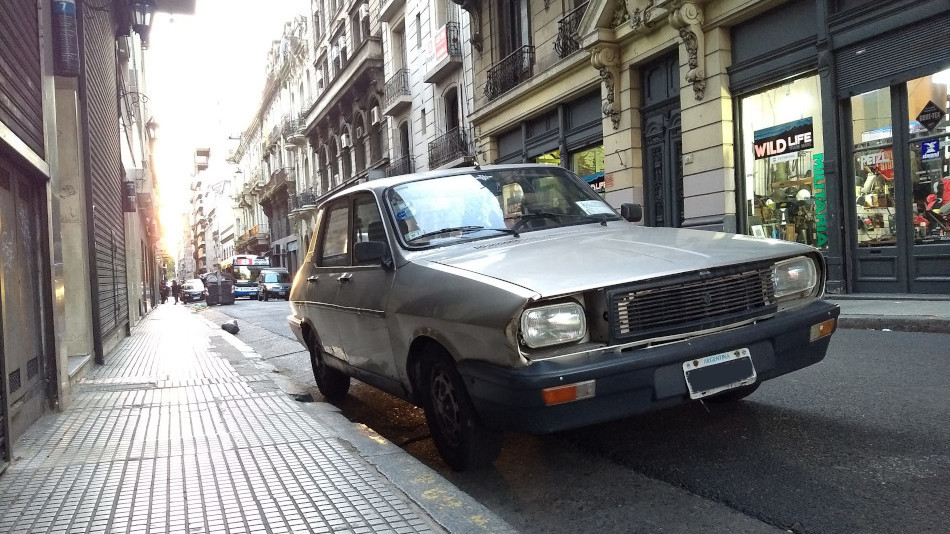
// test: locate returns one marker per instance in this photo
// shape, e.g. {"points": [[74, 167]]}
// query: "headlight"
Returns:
{"points": [[797, 277], [552, 325]]}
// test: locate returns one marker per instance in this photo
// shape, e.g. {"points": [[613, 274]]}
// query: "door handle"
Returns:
{"points": [[313, 278], [345, 277]]}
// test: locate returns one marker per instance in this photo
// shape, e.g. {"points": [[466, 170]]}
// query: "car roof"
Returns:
{"points": [[380, 184]]}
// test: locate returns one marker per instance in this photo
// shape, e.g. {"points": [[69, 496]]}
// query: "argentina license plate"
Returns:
{"points": [[719, 372]]}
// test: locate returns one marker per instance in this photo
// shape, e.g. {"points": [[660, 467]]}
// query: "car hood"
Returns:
{"points": [[563, 260]]}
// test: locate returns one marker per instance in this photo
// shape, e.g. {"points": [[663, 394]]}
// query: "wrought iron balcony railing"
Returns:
{"points": [[453, 34], [566, 42], [401, 165], [509, 72], [445, 148], [397, 86], [305, 199]]}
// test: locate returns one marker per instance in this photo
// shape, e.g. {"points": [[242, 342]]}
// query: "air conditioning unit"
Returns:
{"points": [[359, 132], [345, 140], [374, 114]]}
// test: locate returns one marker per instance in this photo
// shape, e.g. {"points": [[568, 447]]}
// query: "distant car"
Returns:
{"points": [[512, 297], [192, 290], [273, 282]]}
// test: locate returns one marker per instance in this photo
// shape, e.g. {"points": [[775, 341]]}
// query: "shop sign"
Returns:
{"points": [[930, 149], [930, 116], [783, 138], [818, 194]]}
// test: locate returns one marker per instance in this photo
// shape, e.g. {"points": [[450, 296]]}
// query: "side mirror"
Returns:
{"points": [[631, 212], [373, 251]]}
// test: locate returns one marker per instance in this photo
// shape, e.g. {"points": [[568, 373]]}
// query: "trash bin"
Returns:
{"points": [[220, 288]]}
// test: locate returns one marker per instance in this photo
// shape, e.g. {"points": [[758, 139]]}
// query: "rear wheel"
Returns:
{"points": [[333, 384], [463, 442]]}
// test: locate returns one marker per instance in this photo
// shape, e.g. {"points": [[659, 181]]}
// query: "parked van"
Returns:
{"points": [[273, 282]]}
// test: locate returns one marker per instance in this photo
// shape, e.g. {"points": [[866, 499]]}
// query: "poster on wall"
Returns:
{"points": [[783, 139]]}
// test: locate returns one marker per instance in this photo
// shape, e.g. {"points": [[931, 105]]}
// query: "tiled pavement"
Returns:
{"points": [[181, 431]]}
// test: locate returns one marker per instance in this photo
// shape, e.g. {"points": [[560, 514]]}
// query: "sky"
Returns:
{"points": [[204, 77]]}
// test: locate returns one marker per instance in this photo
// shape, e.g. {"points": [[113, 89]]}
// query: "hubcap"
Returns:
{"points": [[445, 405]]}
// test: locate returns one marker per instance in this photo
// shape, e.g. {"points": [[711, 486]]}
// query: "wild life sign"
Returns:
{"points": [[783, 138]]}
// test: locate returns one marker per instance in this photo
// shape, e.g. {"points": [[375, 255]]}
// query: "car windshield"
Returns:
{"points": [[488, 203], [275, 278]]}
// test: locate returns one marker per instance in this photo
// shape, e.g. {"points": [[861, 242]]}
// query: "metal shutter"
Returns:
{"points": [[104, 175], [21, 98], [894, 57]]}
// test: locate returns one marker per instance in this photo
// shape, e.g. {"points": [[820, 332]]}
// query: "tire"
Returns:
{"points": [[733, 395], [333, 384], [463, 442]]}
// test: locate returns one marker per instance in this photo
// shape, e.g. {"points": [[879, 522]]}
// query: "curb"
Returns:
{"points": [[923, 324], [454, 510]]}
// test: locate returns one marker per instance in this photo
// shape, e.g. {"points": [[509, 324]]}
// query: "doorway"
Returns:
{"points": [[662, 143], [899, 163]]}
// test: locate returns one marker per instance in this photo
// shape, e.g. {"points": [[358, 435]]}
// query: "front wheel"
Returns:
{"points": [[333, 384], [463, 442]]}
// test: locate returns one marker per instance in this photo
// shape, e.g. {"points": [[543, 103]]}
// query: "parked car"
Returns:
{"points": [[192, 290], [514, 298], [273, 282]]}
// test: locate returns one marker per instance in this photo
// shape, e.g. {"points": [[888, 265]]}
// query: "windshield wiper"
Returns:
{"points": [[461, 229], [524, 219]]}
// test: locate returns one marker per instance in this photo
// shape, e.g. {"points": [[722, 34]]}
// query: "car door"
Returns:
{"points": [[362, 295], [330, 260]]}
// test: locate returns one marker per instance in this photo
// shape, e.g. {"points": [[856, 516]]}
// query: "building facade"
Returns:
{"points": [[762, 117], [78, 228]]}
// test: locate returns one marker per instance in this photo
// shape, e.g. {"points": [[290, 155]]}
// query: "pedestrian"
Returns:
{"points": [[176, 290], [164, 291]]}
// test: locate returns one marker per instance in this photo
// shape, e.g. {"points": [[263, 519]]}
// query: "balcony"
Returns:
{"points": [[389, 8], [447, 52], [254, 241], [510, 72], [397, 95], [566, 42], [450, 150], [305, 200], [278, 180], [293, 134], [401, 165]]}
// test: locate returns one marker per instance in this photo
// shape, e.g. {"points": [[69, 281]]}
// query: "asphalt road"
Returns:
{"points": [[858, 443]]}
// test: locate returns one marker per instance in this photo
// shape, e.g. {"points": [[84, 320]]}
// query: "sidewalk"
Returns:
{"points": [[909, 313], [183, 430]]}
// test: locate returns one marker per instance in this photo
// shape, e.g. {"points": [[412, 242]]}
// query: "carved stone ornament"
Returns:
{"points": [[689, 19], [606, 60], [475, 21]]}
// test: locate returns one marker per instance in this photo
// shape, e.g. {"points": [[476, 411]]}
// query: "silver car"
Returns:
{"points": [[514, 298]]}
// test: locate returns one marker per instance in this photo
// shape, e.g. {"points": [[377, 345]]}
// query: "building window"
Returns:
{"points": [[589, 165], [418, 30], [422, 121], [782, 158]]}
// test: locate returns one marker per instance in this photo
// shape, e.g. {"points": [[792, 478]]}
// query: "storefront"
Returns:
{"points": [[571, 136], [842, 141]]}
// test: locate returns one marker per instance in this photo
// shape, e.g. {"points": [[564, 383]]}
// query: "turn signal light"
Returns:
{"points": [[568, 393], [822, 329]]}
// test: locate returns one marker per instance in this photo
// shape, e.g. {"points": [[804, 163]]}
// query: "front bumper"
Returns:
{"points": [[637, 380]]}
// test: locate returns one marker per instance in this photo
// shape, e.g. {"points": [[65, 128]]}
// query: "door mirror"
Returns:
{"points": [[373, 251], [631, 212]]}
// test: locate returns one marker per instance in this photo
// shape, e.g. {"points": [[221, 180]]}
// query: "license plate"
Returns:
{"points": [[719, 372]]}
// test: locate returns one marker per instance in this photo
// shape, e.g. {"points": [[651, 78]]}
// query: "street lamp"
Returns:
{"points": [[151, 128], [142, 11]]}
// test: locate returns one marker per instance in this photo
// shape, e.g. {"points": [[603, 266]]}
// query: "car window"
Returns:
{"points": [[447, 209], [334, 246], [368, 224]]}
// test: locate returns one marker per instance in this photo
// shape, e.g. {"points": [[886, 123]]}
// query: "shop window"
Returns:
{"points": [[589, 165], [783, 160], [873, 164], [550, 158]]}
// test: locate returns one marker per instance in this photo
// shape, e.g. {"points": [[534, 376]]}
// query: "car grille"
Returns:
{"points": [[698, 301]]}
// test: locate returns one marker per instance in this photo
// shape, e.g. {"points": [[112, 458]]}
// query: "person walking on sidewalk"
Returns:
{"points": [[176, 290], [163, 290]]}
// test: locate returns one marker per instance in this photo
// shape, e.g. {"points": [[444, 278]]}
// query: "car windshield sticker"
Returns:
{"points": [[594, 207]]}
